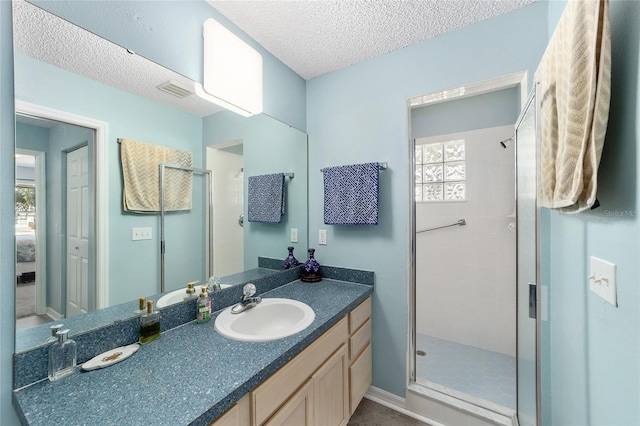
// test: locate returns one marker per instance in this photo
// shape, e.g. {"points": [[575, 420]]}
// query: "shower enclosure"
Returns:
{"points": [[464, 345]]}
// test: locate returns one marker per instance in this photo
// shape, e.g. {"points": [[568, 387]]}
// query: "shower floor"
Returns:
{"points": [[480, 373]]}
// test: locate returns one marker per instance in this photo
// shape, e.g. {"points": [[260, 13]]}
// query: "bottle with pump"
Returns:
{"points": [[62, 356], [191, 290], [149, 324], [204, 306]]}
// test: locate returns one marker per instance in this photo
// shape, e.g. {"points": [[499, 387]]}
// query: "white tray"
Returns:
{"points": [[111, 357]]}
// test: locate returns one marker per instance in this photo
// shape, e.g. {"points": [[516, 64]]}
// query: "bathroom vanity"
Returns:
{"points": [[322, 385], [194, 376]]}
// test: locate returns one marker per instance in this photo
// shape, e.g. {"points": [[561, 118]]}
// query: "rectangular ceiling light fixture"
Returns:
{"points": [[232, 71]]}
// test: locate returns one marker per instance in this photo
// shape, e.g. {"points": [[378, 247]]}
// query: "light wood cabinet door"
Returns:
{"points": [[238, 415], [332, 391], [359, 378], [298, 411], [274, 392]]}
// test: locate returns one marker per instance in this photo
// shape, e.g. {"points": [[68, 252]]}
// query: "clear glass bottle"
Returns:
{"points": [[204, 306], [149, 324], [54, 330], [62, 356]]}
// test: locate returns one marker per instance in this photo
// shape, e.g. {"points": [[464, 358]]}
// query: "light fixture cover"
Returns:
{"points": [[232, 68]]}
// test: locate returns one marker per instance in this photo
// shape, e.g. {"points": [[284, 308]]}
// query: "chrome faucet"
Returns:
{"points": [[248, 301], [213, 284]]}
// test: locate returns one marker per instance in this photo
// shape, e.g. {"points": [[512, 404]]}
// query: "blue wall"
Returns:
{"points": [[34, 138], [499, 108], [131, 263], [170, 33], [359, 114], [7, 216], [269, 147], [595, 347]]}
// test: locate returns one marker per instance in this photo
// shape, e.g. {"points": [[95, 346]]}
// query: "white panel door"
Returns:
{"points": [[78, 231]]}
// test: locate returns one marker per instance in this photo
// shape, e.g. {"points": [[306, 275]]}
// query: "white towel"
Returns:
{"points": [[141, 177], [575, 89]]}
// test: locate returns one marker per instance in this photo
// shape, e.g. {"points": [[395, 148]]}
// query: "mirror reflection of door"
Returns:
{"points": [[226, 162], [78, 205], [52, 143]]}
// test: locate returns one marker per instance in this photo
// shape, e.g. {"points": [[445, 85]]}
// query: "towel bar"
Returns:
{"points": [[382, 166], [461, 222]]}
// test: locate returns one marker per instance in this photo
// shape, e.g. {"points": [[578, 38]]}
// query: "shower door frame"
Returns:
{"points": [[452, 94]]}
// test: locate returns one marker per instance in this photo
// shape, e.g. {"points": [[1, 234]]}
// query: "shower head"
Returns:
{"points": [[505, 143]]}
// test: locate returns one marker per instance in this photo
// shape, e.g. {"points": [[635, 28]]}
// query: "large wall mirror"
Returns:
{"points": [[83, 260]]}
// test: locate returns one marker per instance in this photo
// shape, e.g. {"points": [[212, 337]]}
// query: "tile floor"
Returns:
{"points": [[474, 371], [370, 413]]}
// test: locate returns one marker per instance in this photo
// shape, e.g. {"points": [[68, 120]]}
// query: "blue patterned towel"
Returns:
{"points": [[266, 198], [351, 194]]}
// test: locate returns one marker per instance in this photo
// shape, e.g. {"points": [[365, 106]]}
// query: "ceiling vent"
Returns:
{"points": [[175, 89]]}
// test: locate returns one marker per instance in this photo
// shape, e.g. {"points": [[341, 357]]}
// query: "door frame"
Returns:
{"points": [[40, 174], [415, 391], [100, 188]]}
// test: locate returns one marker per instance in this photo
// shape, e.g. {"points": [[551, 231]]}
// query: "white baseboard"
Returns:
{"points": [[396, 403], [51, 313]]}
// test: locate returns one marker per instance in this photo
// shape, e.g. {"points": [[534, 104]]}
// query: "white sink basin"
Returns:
{"points": [[269, 320], [179, 295]]}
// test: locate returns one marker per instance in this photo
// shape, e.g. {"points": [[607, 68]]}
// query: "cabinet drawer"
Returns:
{"points": [[359, 315], [359, 340], [278, 388], [359, 378]]}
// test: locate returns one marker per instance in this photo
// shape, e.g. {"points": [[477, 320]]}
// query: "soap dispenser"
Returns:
{"points": [[62, 356], [149, 324], [191, 290], [204, 306]]}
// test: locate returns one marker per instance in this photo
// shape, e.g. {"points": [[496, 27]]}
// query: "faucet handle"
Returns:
{"points": [[249, 290], [213, 284]]}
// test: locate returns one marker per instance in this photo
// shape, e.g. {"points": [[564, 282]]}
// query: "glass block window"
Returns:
{"points": [[441, 172]]}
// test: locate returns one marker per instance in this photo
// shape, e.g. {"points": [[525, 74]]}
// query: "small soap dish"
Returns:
{"points": [[111, 357]]}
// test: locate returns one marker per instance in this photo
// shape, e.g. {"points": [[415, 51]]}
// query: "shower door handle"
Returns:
{"points": [[532, 300]]}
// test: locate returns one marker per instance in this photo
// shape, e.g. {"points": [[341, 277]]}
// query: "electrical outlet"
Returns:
{"points": [[294, 235], [602, 279], [138, 234], [322, 237]]}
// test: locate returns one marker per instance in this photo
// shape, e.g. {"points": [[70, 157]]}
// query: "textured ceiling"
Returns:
{"points": [[319, 36], [46, 37], [311, 37]]}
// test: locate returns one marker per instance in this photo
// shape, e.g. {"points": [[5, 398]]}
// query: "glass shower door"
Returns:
{"points": [[527, 277]]}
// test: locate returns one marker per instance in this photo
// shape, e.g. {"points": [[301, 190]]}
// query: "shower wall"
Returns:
{"points": [[466, 275]]}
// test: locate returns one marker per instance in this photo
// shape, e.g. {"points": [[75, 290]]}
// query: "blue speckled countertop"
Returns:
{"points": [[188, 377]]}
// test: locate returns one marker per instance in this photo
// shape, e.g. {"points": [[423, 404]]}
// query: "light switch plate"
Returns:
{"points": [[602, 279], [140, 234], [294, 235], [322, 237]]}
